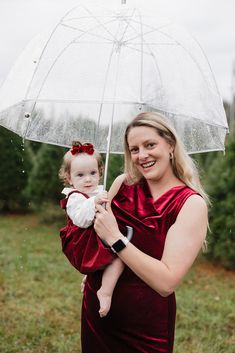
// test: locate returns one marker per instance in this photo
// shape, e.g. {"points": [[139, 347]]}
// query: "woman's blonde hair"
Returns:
{"points": [[183, 165], [64, 172]]}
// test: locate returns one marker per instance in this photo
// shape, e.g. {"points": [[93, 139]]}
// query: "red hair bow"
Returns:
{"points": [[86, 148]]}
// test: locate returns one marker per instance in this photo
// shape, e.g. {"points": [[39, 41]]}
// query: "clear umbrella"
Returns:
{"points": [[100, 67]]}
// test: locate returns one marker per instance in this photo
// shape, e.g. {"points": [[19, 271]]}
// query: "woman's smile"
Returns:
{"points": [[148, 165]]}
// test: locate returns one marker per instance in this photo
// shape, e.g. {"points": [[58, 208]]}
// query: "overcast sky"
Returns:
{"points": [[212, 23]]}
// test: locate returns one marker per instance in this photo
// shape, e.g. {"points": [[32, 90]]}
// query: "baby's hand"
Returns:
{"points": [[83, 283], [101, 198]]}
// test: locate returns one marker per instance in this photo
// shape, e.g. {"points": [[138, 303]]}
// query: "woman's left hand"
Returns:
{"points": [[106, 225]]}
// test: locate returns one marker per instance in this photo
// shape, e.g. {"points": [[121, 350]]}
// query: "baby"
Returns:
{"points": [[81, 172]]}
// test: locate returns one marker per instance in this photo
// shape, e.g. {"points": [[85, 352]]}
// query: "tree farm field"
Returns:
{"points": [[40, 296]]}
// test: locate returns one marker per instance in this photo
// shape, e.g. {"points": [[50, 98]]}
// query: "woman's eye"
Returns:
{"points": [[151, 145], [133, 150]]}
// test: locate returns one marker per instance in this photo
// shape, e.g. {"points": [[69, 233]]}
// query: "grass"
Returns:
{"points": [[40, 297], [206, 311]]}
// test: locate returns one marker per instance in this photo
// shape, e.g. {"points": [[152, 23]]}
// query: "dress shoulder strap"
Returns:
{"points": [[64, 201]]}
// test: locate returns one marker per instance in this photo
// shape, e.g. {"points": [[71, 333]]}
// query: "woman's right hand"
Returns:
{"points": [[106, 225]]}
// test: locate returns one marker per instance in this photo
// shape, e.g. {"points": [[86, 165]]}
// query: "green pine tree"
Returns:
{"points": [[14, 168], [220, 184], [115, 168], [44, 184]]}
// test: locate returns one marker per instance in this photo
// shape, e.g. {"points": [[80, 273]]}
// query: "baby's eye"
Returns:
{"points": [[80, 175], [94, 172]]}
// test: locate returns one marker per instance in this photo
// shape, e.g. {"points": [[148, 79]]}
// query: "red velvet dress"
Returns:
{"points": [[82, 246], [140, 320]]}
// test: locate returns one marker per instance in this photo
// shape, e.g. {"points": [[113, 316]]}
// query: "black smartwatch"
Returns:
{"points": [[119, 245]]}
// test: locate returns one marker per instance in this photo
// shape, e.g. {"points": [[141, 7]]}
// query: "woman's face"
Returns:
{"points": [[150, 152]]}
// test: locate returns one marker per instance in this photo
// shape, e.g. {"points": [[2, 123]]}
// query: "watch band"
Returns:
{"points": [[119, 245]]}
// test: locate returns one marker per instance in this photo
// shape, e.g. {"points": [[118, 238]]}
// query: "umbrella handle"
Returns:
{"points": [[106, 169], [129, 229], [129, 232]]}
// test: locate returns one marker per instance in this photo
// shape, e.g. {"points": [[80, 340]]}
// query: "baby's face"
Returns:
{"points": [[84, 174]]}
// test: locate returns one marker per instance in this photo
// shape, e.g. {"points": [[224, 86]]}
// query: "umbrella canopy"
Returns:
{"points": [[98, 68]]}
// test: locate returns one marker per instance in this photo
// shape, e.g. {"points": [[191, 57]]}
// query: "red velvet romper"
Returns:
{"points": [[140, 320]]}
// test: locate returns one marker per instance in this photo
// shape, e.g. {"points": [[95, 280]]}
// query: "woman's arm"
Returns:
{"points": [[183, 242]]}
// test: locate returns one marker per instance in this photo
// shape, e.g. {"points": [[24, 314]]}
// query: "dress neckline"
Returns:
{"points": [[164, 194]]}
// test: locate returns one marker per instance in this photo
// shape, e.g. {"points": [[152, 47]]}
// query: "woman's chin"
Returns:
{"points": [[148, 172]]}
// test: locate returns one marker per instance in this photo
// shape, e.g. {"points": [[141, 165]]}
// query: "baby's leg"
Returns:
{"points": [[110, 277]]}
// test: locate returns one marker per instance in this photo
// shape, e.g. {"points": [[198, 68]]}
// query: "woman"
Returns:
{"points": [[160, 196]]}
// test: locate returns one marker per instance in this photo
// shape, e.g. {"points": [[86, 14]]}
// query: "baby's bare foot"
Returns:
{"points": [[105, 302]]}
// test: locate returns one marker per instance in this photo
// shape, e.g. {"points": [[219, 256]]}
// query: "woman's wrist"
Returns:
{"points": [[120, 244], [114, 237]]}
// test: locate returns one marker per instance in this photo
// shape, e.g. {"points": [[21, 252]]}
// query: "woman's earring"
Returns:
{"points": [[171, 155]]}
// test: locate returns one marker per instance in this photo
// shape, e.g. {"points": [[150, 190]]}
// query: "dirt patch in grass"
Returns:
{"points": [[207, 268]]}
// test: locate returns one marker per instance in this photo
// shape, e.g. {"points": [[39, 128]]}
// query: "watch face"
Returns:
{"points": [[119, 245]]}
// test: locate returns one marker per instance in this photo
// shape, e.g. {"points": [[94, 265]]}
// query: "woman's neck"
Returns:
{"points": [[159, 187]]}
